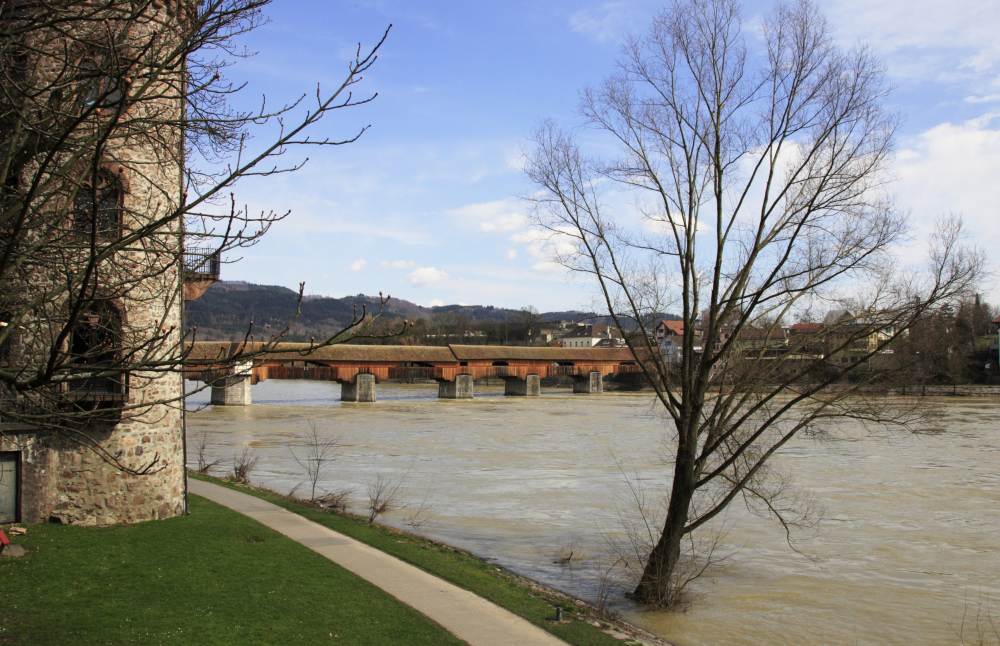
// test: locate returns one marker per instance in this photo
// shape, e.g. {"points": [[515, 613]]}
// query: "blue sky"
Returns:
{"points": [[426, 206]]}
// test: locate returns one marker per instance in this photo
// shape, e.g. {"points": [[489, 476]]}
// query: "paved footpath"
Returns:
{"points": [[465, 615]]}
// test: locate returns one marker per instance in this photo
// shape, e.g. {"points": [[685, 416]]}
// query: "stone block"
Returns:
{"points": [[361, 390], [461, 388], [590, 384], [530, 386]]}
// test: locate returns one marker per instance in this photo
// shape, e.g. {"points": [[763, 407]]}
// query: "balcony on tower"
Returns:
{"points": [[202, 266]]}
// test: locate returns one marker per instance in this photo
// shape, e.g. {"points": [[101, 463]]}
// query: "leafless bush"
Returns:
{"points": [[605, 585], [204, 464], [420, 514], [319, 452], [335, 501], [243, 465], [383, 495]]}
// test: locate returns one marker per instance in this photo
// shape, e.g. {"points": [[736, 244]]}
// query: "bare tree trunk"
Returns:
{"points": [[654, 586]]}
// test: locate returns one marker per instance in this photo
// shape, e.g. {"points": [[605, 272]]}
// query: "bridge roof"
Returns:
{"points": [[536, 353], [209, 351]]}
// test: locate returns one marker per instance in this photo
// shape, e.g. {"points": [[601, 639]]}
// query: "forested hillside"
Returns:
{"points": [[227, 309]]}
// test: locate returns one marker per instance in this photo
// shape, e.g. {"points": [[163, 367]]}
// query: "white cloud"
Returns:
{"points": [[358, 264], [435, 302], [394, 230], [397, 264], [548, 267], [606, 22], [983, 98], [509, 218], [546, 248], [952, 169], [424, 276], [515, 161], [498, 216], [923, 38]]}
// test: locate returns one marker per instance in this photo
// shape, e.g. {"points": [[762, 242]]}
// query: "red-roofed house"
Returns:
{"points": [[667, 328], [668, 334], [804, 328]]}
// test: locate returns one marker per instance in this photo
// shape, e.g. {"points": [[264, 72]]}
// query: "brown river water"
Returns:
{"points": [[907, 550]]}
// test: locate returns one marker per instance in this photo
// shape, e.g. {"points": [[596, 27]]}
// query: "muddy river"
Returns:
{"points": [[906, 551]]}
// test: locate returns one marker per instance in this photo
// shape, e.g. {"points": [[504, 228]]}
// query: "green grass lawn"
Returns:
{"points": [[455, 566], [213, 577]]}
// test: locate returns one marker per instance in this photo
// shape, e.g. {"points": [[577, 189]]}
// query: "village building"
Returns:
{"points": [[668, 335], [590, 336]]}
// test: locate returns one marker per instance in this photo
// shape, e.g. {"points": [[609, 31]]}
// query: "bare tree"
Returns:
{"points": [[755, 184], [383, 496], [243, 465], [319, 452], [204, 465], [120, 155], [528, 322]]}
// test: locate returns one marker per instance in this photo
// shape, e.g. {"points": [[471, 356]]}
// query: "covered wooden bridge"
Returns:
{"points": [[232, 367]]}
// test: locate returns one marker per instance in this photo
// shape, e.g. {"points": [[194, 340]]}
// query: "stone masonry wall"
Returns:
{"points": [[61, 479]]}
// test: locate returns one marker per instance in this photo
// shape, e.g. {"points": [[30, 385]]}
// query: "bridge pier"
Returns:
{"points": [[588, 384], [233, 389], [461, 388], [530, 386], [362, 389]]}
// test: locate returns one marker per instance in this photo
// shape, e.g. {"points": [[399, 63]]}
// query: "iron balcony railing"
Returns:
{"points": [[202, 263], [91, 383]]}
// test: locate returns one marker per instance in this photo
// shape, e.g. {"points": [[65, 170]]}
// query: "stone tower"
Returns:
{"points": [[99, 276]]}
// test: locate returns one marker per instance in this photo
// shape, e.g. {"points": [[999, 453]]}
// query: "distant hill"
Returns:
{"points": [[228, 307]]}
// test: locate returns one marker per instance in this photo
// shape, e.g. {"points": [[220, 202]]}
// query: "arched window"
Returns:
{"points": [[99, 204], [95, 349], [97, 87]]}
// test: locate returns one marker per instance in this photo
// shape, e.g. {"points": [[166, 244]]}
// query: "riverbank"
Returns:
{"points": [[211, 577], [582, 624]]}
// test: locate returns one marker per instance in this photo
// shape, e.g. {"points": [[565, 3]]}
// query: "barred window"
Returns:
{"points": [[95, 346], [99, 205]]}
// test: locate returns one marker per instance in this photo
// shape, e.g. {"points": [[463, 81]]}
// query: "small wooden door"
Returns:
{"points": [[9, 465]]}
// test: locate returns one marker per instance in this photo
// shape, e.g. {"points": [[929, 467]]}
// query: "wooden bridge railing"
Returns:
{"points": [[583, 369], [410, 373], [317, 373], [348, 373]]}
